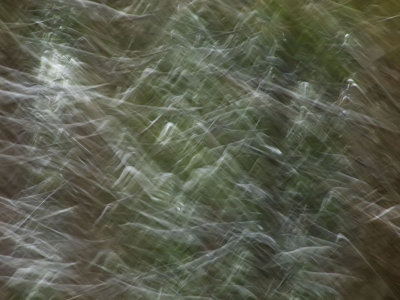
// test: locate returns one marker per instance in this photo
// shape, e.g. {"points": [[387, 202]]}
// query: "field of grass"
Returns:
{"points": [[200, 149]]}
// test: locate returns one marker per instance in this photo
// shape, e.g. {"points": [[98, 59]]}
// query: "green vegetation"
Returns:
{"points": [[199, 149]]}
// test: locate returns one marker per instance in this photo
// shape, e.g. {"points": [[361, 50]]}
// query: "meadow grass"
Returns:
{"points": [[242, 149]]}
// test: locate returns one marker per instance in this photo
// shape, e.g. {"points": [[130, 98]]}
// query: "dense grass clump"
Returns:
{"points": [[199, 149]]}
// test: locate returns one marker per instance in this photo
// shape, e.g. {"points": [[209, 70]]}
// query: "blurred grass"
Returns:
{"points": [[206, 149]]}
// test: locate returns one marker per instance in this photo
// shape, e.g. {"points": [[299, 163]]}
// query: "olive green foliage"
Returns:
{"points": [[193, 149]]}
